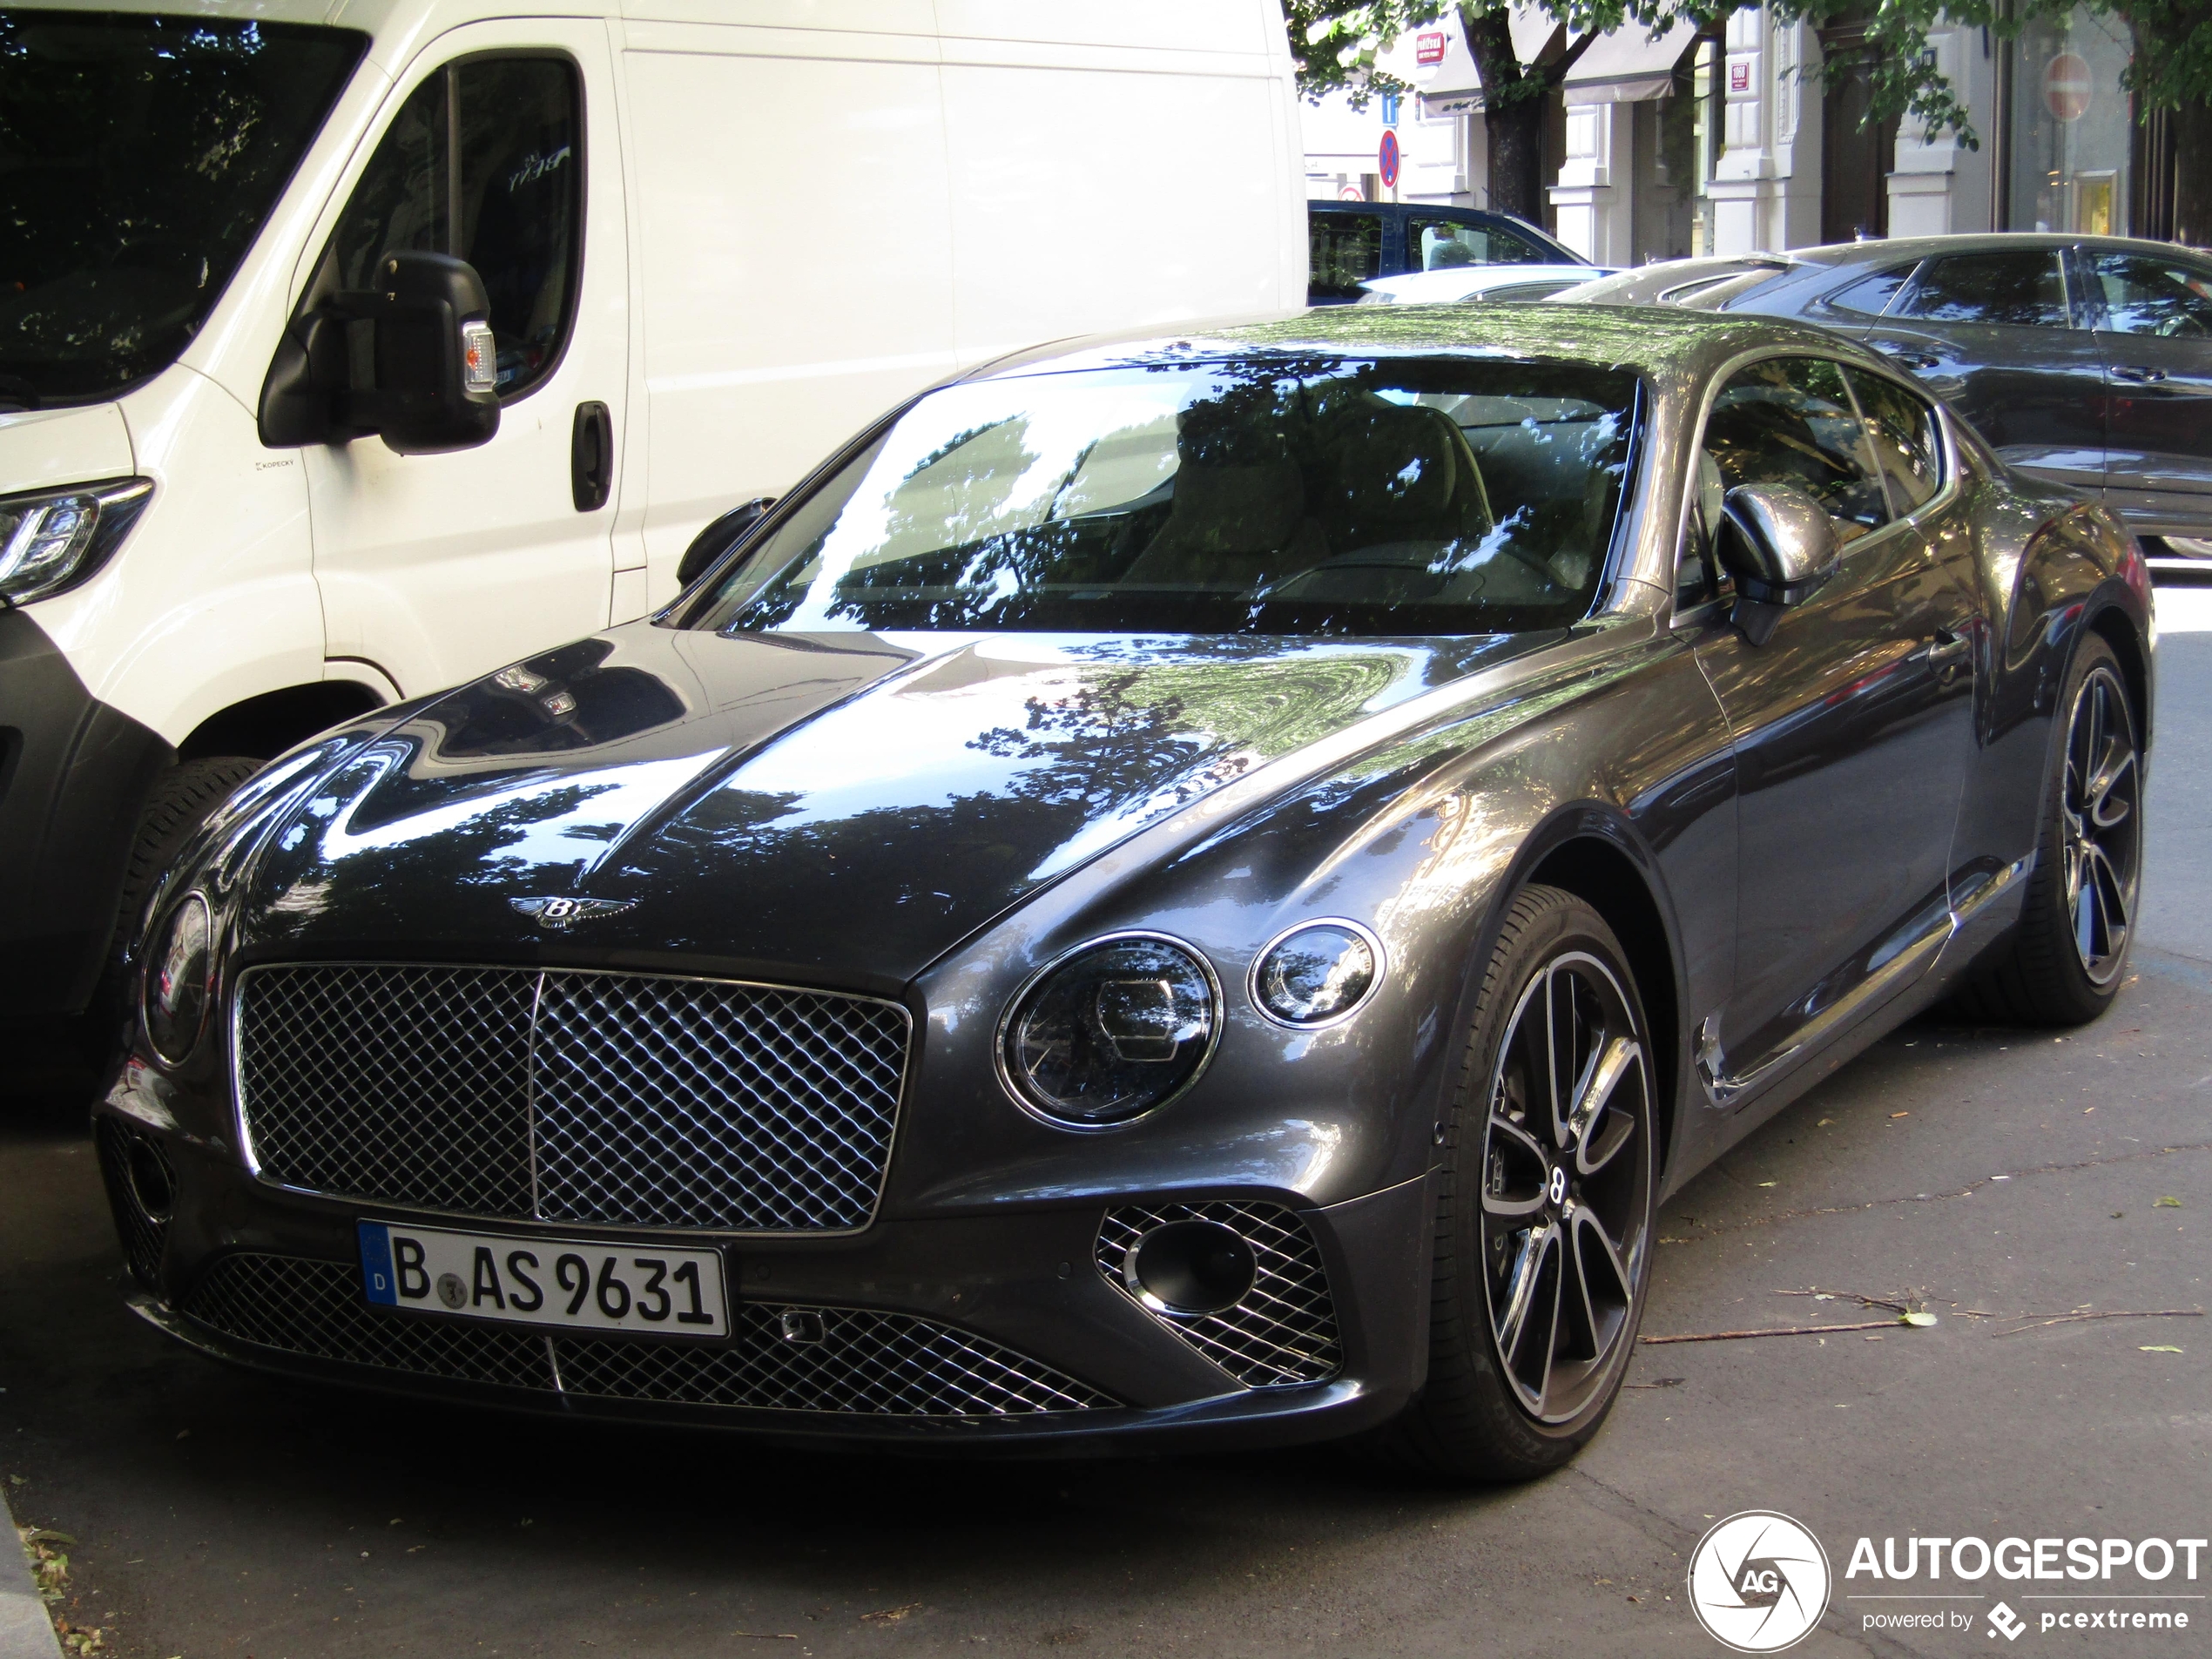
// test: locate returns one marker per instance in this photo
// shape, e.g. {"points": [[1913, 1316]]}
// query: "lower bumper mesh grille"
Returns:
{"points": [[864, 1363], [1284, 1330], [143, 1235]]}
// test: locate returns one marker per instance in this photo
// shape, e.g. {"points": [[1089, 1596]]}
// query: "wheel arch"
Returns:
{"points": [[1592, 852], [2117, 629], [263, 726]]}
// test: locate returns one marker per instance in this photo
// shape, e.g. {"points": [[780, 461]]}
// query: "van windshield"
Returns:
{"points": [[1294, 493], [138, 157]]}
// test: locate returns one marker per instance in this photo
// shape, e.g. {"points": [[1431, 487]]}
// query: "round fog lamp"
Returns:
{"points": [[1316, 974], [1111, 1030], [181, 970]]}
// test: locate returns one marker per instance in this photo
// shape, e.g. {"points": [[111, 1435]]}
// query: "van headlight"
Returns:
{"points": [[1111, 1030], [180, 978], [55, 538]]}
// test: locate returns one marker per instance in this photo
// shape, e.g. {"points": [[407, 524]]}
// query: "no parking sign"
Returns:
{"points": [[1387, 160]]}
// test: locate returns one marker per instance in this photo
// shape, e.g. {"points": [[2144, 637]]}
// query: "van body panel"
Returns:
{"points": [[439, 567], [41, 449], [229, 612], [773, 313]]}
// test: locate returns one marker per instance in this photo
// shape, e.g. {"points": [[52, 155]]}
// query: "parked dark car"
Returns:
{"points": [[1188, 891], [2085, 360], [1349, 243]]}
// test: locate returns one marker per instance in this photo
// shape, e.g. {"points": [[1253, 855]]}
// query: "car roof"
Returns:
{"points": [[1659, 341], [1498, 275]]}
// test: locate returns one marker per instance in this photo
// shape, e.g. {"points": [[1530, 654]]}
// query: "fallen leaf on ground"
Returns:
{"points": [[1896, 1115], [2166, 1204], [1916, 1319], [889, 1614], [2159, 1347]]}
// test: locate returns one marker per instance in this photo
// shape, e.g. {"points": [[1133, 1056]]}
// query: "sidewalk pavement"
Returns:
{"points": [[26, 1631]]}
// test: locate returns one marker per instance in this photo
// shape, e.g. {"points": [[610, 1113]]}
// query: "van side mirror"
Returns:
{"points": [[718, 538], [411, 361], [1780, 545]]}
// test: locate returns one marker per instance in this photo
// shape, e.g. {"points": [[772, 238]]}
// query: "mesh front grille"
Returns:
{"points": [[317, 1308], [886, 1365], [1284, 1330], [631, 1100]]}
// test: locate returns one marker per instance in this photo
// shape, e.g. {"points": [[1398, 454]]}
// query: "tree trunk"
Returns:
{"points": [[1514, 98], [1516, 135]]}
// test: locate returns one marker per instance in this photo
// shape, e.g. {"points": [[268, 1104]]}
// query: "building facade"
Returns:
{"points": [[1753, 136]]}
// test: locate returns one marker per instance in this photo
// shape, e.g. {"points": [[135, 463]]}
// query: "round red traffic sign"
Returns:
{"points": [[2069, 87], [1387, 160]]}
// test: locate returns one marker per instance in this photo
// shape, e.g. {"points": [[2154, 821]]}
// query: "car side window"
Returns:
{"points": [[1902, 429], [1870, 295], [1792, 420], [2146, 295], [2020, 289], [1342, 251], [483, 161], [1439, 244]]}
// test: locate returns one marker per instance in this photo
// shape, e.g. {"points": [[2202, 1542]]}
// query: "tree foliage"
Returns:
{"points": [[1336, 42]]}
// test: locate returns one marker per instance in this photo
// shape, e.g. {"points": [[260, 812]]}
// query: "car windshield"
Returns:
{"points": [[138, 156], [1272, 495]]}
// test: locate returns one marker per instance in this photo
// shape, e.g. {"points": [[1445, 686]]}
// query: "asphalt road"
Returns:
{"points": [[1976, 1172]]}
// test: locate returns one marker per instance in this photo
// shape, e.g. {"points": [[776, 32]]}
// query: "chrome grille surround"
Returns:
{"points": [[569, 1094], [1284, 1330], [866, 1364]]}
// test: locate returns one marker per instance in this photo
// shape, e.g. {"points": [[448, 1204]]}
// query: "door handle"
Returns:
{"points": [[2138, 373], [1907, 358], [591, 458], [1947, 653]]}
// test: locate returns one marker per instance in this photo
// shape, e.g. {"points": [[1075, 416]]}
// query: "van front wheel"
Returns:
{"points": [[178, 804]]}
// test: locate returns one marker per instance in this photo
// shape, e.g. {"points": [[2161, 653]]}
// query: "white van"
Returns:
{"points": [[349, 348]]}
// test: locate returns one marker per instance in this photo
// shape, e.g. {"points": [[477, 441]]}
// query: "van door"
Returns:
{"points": [[499, 146]]}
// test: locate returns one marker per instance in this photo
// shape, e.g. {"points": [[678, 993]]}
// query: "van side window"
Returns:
{"points": [[484, 161], [1437, 244], [1342, 251]]}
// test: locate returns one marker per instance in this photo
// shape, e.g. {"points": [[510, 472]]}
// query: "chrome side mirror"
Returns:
{"points": [[1780, 545]]}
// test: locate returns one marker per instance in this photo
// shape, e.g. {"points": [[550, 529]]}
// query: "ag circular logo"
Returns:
{"points": [[1758, 1582]]}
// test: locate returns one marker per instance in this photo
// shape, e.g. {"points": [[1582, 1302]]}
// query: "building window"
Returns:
{"points": [[2070, 127], [1708, 124]]}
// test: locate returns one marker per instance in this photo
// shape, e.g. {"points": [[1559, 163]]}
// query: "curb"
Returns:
{"points": [[26, 1631]]}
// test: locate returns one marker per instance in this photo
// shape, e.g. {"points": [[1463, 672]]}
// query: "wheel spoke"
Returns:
{"points": [[1510, 1142], [1521, 1286], [1553, 1037], [2102, 810], [1608, 1066], [2112, 902]]}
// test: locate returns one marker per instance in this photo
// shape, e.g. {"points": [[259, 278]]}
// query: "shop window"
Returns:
{"points": [[2070, 128]]}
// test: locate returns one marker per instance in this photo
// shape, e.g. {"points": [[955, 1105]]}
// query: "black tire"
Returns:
{"points": [[178, 804], [2058, 967], [1475, 1418]]}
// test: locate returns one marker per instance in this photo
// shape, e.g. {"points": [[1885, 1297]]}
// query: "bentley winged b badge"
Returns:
{"points": [[560, 914]]}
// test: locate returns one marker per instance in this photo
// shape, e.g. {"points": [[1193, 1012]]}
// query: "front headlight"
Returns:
{"points": [[180, 978], [55, 538], [1114, 1029]]}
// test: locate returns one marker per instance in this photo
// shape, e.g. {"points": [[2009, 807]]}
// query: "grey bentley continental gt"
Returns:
{"points": [[1187, 891]]}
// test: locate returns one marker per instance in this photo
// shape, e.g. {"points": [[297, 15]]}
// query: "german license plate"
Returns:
{"points": [[574, 1284]]}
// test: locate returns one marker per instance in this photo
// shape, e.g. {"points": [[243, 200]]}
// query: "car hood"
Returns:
{"points": [[841, 807]]}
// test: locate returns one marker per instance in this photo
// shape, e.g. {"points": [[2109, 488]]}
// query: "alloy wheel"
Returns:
{"points": [[2101, 828], [1566, 1168]]}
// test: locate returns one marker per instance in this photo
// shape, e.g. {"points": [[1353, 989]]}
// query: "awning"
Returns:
{"points": [[1447, 82], [1628, 66]]}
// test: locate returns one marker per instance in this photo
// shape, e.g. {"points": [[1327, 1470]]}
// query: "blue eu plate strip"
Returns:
{"points": [[377, 1263]]}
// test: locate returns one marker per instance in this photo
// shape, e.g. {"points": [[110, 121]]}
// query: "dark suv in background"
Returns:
{"points": [[1349, 243], [2083, 358]]}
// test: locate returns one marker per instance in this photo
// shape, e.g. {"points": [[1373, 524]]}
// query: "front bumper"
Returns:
{"points": [[74, 775], [994, 1330]]}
